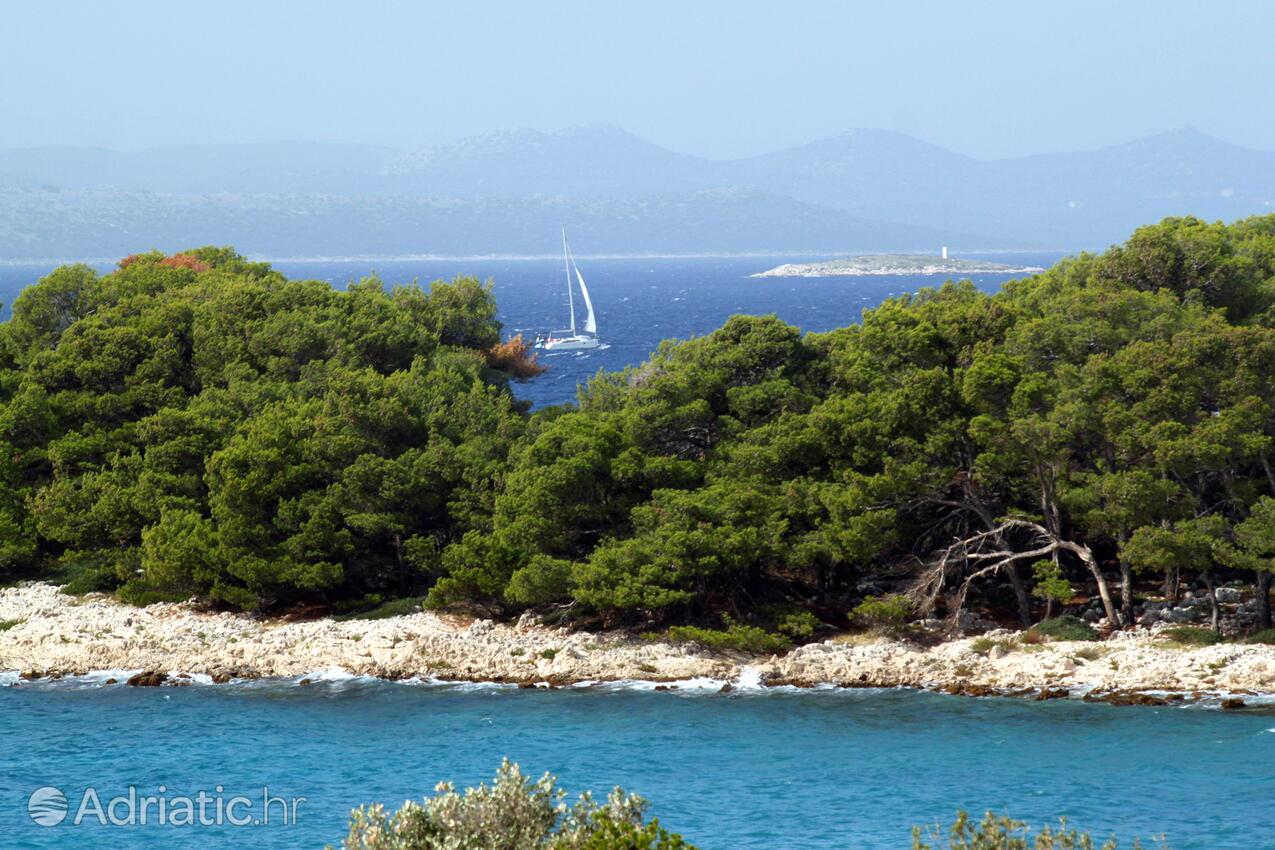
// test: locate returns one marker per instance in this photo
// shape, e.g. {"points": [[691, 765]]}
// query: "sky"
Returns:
{"points": [[717, 79]]}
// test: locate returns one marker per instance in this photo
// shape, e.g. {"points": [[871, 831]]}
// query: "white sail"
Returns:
{"points": [[590, 325]]}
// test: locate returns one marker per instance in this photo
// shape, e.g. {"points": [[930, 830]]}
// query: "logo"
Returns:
{"points": [[47, 806]]}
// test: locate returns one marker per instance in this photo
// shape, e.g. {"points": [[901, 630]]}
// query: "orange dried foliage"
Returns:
{"points": [[185, 261], [516, 358]]}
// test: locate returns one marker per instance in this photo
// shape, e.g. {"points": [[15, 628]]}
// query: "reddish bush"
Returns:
{"points": [[515, 358], [185, 261]]}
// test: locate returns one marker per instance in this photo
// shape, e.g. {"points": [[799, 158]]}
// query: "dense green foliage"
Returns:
{"points": [[199, 425], [512, 813], [1114, 411]]}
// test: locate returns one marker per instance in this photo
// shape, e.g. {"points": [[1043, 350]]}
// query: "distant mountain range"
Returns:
{"points": [[864, 190]]}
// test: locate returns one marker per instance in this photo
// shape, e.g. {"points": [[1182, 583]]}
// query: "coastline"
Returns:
{"points": [[47, 634]]}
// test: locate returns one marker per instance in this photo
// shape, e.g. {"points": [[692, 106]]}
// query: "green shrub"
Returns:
{"points": [[1191, 636], [92, 580], [885, 613], [1065, 627], [794, 622], [513, 813], [5, 625], [736, 636], [994, 832]]}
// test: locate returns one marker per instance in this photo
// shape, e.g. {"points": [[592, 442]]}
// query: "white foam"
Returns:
{"points": [[749, 679], [331, 674]]}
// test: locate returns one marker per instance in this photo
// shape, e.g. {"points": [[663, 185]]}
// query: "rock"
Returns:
{"points": [[1125, 698], [1229, 595], [304, 682], [220, 677], [726, 688], [1091, 615], [1232, 704], [147, 679], [1052, 693], [111, 681]]}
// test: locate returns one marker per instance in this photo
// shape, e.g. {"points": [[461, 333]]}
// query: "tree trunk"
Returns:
{"points": [[1263, 599], [1104, 592], [1216, 618], [1126, 593], [1020, 592], [1171, 585]]}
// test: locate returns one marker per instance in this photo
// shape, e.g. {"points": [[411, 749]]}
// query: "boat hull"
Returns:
{"points": [[571, 343]]}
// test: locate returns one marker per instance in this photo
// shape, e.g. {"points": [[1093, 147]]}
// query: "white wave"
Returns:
{"points": [[9, 677], [749, 679], [331, 674]]}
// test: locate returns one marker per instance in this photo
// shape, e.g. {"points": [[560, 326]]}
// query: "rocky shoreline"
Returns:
{"points": [[46, 634]]}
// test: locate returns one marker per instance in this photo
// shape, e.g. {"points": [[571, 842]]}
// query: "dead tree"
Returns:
{"points": [[990, 552]]}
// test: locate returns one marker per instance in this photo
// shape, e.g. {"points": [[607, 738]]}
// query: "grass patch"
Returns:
{"points": [[1264, 636], [549, 653], [5, 625], [1065, 627], [1186, 636], [984, 645], [384, 610], [1089, 653]]}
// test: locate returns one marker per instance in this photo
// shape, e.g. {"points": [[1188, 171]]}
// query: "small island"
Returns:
{"points": [[875, 264]]}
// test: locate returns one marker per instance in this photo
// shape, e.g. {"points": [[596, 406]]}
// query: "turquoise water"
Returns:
{"points": [[843, 769]]}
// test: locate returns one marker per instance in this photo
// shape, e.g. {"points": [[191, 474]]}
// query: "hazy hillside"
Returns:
{"points": [[861, 190], [98, 223]]}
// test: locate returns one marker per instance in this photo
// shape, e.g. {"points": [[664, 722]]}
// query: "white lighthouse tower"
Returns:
{"points": [[945, 252]]}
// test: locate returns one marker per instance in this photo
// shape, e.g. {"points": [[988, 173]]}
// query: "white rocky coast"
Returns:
{"points": [[46, 633], [894, 264]]}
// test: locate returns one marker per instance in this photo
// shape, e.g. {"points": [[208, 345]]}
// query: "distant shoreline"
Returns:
{"points": [[408, 258], [895, 263]]}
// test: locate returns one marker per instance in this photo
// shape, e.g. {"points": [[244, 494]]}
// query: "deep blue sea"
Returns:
{"points": [[740, 771], [744, 771], [639, 302]]}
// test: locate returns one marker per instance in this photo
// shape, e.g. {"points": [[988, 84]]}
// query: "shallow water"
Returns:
{"points": [[752, 769]]}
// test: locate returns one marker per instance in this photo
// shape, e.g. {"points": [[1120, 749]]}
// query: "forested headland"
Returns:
{"points": [[197, 425]]}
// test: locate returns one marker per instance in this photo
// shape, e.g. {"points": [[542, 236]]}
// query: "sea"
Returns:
{"points": [[751, 769]]}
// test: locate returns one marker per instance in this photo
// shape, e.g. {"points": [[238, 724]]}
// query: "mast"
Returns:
{"points": [[566, 261]]}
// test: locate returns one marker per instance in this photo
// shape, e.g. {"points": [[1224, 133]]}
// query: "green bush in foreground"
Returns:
{"points": [[513, 813], [995, 832], [1065, 627]]}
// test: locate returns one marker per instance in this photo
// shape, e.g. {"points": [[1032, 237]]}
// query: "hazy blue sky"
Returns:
{"points": [[719, 79]]}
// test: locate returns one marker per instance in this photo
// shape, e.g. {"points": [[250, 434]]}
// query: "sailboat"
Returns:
{"points": [[573, 339]]}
